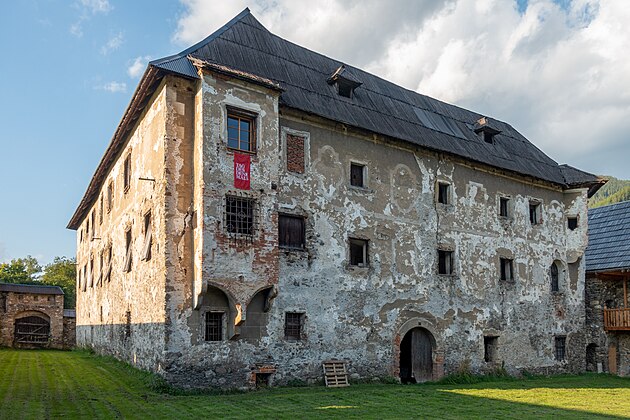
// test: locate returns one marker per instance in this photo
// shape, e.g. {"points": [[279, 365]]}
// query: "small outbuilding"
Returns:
{"points": [[32, 316]]}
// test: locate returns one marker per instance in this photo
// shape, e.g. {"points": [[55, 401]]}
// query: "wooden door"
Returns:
{"points": [[421, 355], [612, 359]]}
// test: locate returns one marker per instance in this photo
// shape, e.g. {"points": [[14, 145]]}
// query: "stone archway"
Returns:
{"points": [[417, 356], [31, 329]]}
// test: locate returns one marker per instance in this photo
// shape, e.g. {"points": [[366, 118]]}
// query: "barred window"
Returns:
{"points": [[555, 278], [293, 323], [214, 326], [561, 344], [240, 215]]}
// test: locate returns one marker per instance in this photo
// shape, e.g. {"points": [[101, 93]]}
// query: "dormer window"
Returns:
{"points": [[344, 81], [483, 127]]}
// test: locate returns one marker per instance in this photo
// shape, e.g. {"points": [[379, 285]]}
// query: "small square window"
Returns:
{"points": [[293, 325], [214, 326], [127, 173], [291, 231], [241, 130], [504, 207], [445, 262], [561, 343], [357, 173], [239, 215], [506, 269], [534, 213], [444, 190], [358, 252], [572, 223], [490, 348]]}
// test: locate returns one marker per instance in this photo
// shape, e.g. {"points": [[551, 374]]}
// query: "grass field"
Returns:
{"points": [[52, 384]]}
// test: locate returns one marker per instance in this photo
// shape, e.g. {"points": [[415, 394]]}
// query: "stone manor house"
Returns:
{"points": [[262, 208]]}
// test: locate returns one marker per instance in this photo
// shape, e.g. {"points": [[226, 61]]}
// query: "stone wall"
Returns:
{"points": [[19, 305]]}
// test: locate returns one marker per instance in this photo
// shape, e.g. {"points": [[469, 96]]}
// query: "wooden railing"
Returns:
{"points": [[617, 319]]}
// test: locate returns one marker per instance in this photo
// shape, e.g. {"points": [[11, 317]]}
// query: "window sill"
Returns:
{"points": [[247, 152], [453, 276], [363, 190], [359, 268], [291, 249]]}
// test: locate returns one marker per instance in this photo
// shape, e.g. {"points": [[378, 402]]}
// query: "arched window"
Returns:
{"points": [[554, 278]]}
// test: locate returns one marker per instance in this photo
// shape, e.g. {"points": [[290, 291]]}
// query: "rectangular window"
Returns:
{"points": [[100, 211], [295, 154], [127, 324], [101, 268], [445, 262], [358, 252], [91, 273], [291, 231], [357, 173], [561, 343], [128, 253], [93, 225], [110, 196], [504, 210], [241, 128], [490, 347], [239, 215], [108, 268], [148, 238], [293, 325], [214, 326], [506, 269], [534, 213], [443, 193], [127, 173], [572, 223]]}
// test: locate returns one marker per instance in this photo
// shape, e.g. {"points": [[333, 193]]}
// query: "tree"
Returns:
{"points": [[20, 270], [62, 272]]}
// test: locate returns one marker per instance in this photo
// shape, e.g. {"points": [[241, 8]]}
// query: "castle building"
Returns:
{"points": [[262, 208]]}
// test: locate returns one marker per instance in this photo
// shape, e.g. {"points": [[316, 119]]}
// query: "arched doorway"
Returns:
{"points": [[32, 330], [416, 356], [591, 357]]}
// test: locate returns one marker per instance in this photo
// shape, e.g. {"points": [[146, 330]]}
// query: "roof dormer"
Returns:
{"points": [[345, 81], [484, 127]]}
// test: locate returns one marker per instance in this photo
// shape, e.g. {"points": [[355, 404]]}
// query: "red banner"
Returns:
{"points": [[241, 171]]}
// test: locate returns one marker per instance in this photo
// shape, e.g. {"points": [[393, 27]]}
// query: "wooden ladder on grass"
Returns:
{"points": [[335, 374]]}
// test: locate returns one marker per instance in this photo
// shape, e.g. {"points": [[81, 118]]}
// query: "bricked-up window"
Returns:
{"points": [[555, 277], [504, 207], [214, 326], [444, 190], [561, 348], [128, 253], [148, 238], [534, 213], [357, 175], [295, 154], [572, 223], [291, 231], [358, 252], [490, 348], [445, 262], [241, 127], [506, 269], [127, 173], [110, 196], [293, 325], [240, 215]]}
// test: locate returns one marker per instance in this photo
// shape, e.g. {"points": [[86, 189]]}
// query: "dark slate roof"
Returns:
{"points": [[35, 289], [69, 313], [608, 238], [245, 48], [377, 105]]}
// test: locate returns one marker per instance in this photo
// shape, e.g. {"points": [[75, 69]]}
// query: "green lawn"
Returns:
{"points": [[52, 384]]}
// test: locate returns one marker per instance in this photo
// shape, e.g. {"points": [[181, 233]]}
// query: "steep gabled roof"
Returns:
{"points": [[608, 238], [245, 45]]}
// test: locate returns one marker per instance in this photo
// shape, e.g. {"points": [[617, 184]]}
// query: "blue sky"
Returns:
{"points": [[70, 67]]}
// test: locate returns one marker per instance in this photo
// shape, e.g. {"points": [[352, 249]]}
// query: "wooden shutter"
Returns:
{"points": [[146, 250]]}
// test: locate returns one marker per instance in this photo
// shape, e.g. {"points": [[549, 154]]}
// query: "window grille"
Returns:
{"points": [[561, 343], [214, 326], [240, 215], [554, 278], [293, 322]]}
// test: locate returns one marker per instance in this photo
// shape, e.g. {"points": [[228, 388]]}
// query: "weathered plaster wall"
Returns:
{"points": [[18, 305], [124, 314]]}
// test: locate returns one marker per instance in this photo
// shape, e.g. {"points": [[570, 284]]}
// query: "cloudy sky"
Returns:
{"points": [[557, 70]]}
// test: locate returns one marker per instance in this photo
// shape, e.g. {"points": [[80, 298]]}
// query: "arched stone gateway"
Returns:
{"points": [[32, 330]]}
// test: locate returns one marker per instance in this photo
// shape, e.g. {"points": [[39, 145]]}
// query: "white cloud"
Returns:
{"points": [[113, 87], [88, 8], [559, 74], [137, 66], [113, 43]]}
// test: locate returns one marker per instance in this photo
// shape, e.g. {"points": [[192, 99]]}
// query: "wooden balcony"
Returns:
{"points": [[617, 319]]}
